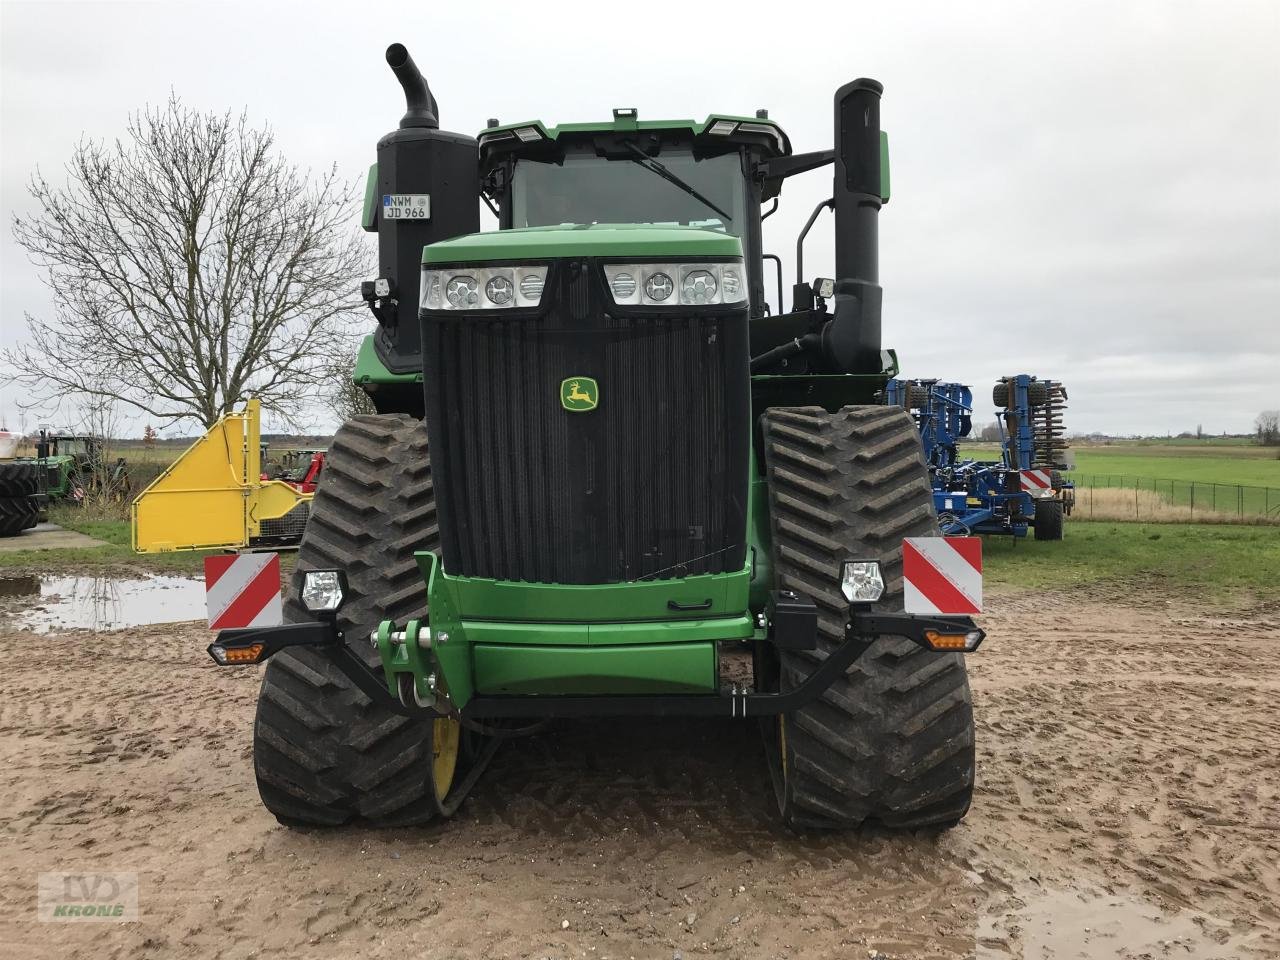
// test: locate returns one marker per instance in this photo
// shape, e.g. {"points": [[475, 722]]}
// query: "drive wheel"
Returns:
{"points": [[19, 479], [324, 753], [1048, 520], [892, 740], [17, 514]]}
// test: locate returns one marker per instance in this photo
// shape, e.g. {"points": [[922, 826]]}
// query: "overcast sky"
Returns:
{"points": [[1084, 191]]}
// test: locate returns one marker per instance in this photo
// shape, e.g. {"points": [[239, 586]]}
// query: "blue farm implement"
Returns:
{"points": [[1022, 490]]}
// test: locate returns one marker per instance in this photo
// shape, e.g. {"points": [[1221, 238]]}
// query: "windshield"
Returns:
{"points": [[586, 189]]}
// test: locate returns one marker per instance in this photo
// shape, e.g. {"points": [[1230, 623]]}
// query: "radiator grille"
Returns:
{"points": [[652, 483]]}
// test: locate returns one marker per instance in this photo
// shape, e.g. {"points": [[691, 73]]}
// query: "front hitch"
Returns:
{"points": [[406, 656]]}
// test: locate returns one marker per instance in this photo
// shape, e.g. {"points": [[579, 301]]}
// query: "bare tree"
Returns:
{"points": [[1268, 424], [105, 475], [346, 397], [191, 267], [991, 433]]}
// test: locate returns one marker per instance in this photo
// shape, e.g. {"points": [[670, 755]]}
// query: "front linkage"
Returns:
{"points": [[409, 683]]}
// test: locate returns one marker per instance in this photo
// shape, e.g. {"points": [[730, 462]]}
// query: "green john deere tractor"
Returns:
{"points": [[604, 481], [70, 465]]}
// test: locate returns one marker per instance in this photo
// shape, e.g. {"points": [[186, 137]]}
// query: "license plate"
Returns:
{"points": [[406, 206]]}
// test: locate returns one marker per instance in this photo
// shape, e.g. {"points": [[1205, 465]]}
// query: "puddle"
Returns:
{"points": [[19, 586], [1059, 924], [102, 603]]}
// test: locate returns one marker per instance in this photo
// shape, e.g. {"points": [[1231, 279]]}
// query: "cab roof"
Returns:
{"points": [[719, 127]]}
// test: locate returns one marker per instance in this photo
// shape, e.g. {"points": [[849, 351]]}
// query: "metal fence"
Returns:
{"points": [[1113, 496]]}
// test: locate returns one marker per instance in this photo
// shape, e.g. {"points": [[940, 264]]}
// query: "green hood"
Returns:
{"points": [[596, 240]]}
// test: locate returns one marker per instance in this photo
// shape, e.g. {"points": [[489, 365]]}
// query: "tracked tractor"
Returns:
{"points": [[601, 470]]}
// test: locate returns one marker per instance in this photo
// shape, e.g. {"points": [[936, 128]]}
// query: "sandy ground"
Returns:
{"points": [[1128, 806]]}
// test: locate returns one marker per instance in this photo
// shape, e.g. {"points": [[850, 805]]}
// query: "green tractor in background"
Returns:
{"points": [[72, 465], [601, 470]]}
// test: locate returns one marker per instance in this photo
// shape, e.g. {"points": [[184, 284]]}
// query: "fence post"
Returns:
{"points": [[1193, 499], [1240, 498]]}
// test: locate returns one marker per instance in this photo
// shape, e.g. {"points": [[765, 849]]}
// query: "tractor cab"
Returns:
{"points": [[663, 173], [83, 450]]}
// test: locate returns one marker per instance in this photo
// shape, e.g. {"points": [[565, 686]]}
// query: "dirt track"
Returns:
{"points": [[1128, 805]]}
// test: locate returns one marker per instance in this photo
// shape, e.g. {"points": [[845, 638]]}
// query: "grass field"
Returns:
{"points": [[1234, 565], [1164, 472]]}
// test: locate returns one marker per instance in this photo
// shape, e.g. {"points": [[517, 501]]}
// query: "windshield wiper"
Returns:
{"points": [[661, 170]]}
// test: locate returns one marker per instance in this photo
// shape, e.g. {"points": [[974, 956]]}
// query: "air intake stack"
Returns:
{"points": [[852, 339], [428, 189]]}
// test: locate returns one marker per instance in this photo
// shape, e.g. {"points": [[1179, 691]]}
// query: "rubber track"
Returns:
{"points": [[324, 754], [17, 514], [892, 741], [19, 479]]}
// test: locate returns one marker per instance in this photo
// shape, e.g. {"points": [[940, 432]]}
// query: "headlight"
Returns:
{"points": [[861, 581], [499, 290], [675, 284], [623, 284], [462, 292], [658, 287], [531, 285], [475, 288], [323, 590], [699, 286]]}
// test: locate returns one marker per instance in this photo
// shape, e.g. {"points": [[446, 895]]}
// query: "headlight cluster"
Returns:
{"points": [[487, 288], [676, 284]]}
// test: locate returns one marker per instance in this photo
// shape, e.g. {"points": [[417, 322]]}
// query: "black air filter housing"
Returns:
{"points": [[418, 161], [652, 483]]}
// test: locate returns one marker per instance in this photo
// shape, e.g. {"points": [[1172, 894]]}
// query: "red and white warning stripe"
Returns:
{"points": [[243, 590], [1036, 482], [942, 575]]}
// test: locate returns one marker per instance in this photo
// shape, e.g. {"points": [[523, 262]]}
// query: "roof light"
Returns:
{"points": [[625, 113], [528, 134], [766, 128], [722, 128]]}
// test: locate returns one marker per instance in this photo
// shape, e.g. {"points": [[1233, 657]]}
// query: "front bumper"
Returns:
{"points": [[862, 629]]}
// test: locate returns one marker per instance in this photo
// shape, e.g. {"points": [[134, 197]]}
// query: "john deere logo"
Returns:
{"points": [[579, 393]]}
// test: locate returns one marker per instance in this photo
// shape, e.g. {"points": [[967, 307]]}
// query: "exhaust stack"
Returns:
{"points": [[433, 173], [422, 110]]}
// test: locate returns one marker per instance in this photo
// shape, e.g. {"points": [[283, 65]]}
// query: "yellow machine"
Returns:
{"points": [[213, 496]]}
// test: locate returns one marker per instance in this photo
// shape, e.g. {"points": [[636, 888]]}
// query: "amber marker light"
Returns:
{"points": [[963, 642]]}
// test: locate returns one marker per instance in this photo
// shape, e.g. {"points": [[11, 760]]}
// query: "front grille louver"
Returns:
{"points": [[652, 483]]}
